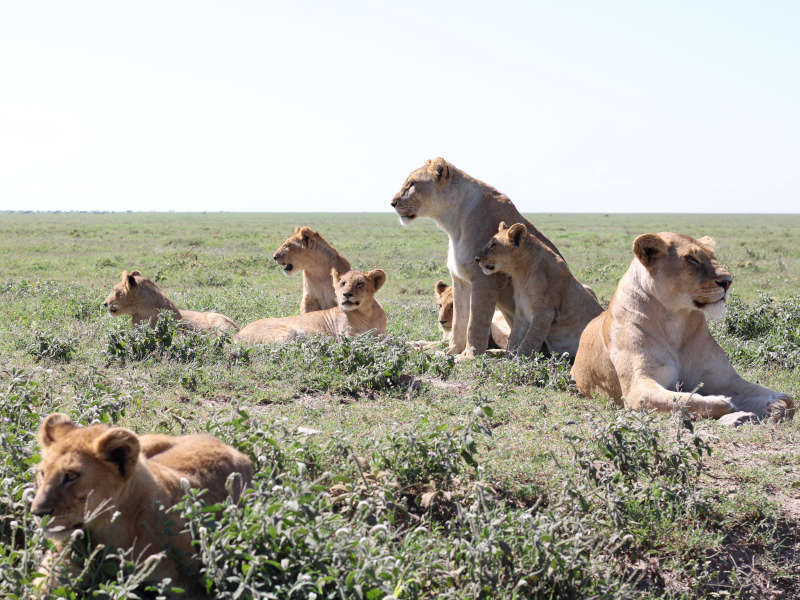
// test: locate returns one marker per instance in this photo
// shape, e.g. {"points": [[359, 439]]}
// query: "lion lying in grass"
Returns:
{"points": [[652, 347], [87, 474], [308, 251], [141, 298], [552, 307], [469, 211], [357, 312]]}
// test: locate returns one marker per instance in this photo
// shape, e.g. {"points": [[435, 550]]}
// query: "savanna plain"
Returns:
{"points": [[384, 471]]}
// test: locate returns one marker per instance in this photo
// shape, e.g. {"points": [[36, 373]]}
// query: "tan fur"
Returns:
{"points": [[469, 211], [552, 307], [306, 250], [87, 474], [652, 346], [141, 298], [357, 312], [498, 331]]}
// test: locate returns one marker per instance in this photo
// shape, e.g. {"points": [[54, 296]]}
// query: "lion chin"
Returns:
{"points": [[716, 310], [406, 221]]}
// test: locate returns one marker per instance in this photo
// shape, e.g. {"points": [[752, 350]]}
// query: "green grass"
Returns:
{"points": [[428, 478]]}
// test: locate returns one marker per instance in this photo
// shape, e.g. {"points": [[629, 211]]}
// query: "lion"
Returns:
{"points": [[141, 298], [469, 211], [115, 484], [552, 307], [308, 251], [356, 312], [499, 328], [652, 347]]}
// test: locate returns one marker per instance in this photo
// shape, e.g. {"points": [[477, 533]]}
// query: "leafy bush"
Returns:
{"points": [[764, 333], [540, 370], [167, 339], [50, 346], [351, 365]]}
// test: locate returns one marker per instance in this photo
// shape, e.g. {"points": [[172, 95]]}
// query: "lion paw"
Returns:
{"points": [[735, 419]]}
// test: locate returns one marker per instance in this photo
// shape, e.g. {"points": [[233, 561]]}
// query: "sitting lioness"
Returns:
{"points": [[498, 331], [89, 474], [308, 251], [469, 211], [652, 347], [141, 298], [357, 312], [552, 307]]}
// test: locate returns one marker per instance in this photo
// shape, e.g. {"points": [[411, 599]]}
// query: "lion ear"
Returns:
{"points": [[502, 226], [515, 233], [440, 287], [707, 240], [334, 274], [53, 427], [136, 273], [306, 236], [648, 247], [129, 278], [121, 448], [439, 168], [378, 278]]}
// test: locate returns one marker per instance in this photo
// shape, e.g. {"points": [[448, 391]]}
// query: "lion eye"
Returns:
{"points": [[118, 294], [70, 476], [693, 261], [360, 284], [341, 284]]}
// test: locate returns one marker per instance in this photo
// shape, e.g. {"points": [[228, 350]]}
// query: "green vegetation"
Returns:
{"points": [[386, 471]]}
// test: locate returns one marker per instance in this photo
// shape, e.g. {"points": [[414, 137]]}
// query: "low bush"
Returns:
{"points": [[51, 346]]}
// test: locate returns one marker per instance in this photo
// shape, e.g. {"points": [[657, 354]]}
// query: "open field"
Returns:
{"points": [[489, 479]]}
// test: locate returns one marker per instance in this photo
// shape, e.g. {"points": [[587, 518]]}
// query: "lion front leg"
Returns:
{"points": [[648, 394], [461, 308], [483, 298], [538, 331]]}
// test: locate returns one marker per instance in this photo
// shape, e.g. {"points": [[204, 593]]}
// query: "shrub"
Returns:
{"points": [[540, 370], [50, 346]]}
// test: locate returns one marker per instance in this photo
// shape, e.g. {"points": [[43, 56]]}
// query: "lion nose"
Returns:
{"points": [[477, 259], [395, 200], [348, 294], [275, 256], [725, 282], [441, 322], [105, 304]]}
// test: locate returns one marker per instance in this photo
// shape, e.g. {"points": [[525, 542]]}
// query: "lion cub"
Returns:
{"points": [[308, 251], [141, 298], [498, 332], [551, 306], [88, 474], [357, 312], [651, 348]]}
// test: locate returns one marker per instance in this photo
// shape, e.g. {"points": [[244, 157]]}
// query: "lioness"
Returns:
{"points": [[469, 211], [498, 331], [141, 298], [652, 347], [357, 312], [552, 307], [308, 251], [87, 474]]}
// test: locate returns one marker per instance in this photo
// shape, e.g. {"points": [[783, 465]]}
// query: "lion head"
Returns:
{"points": [[354, 288], [444, 300], [81, 472], [682, 273], [417, 196], [136, 293], [501, 252], [298, 250]]}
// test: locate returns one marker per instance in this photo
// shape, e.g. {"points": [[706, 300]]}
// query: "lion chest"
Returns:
{"points": [[460, 259]]}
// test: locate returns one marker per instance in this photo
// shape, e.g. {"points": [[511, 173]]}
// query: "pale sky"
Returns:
{"points": [[638, 106]]}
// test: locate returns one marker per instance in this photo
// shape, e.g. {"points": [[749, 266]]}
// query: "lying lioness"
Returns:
{"points": [[88, 474], [357, 312], [551, 306], [308, 251], [141, 298], [652, 347]]}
